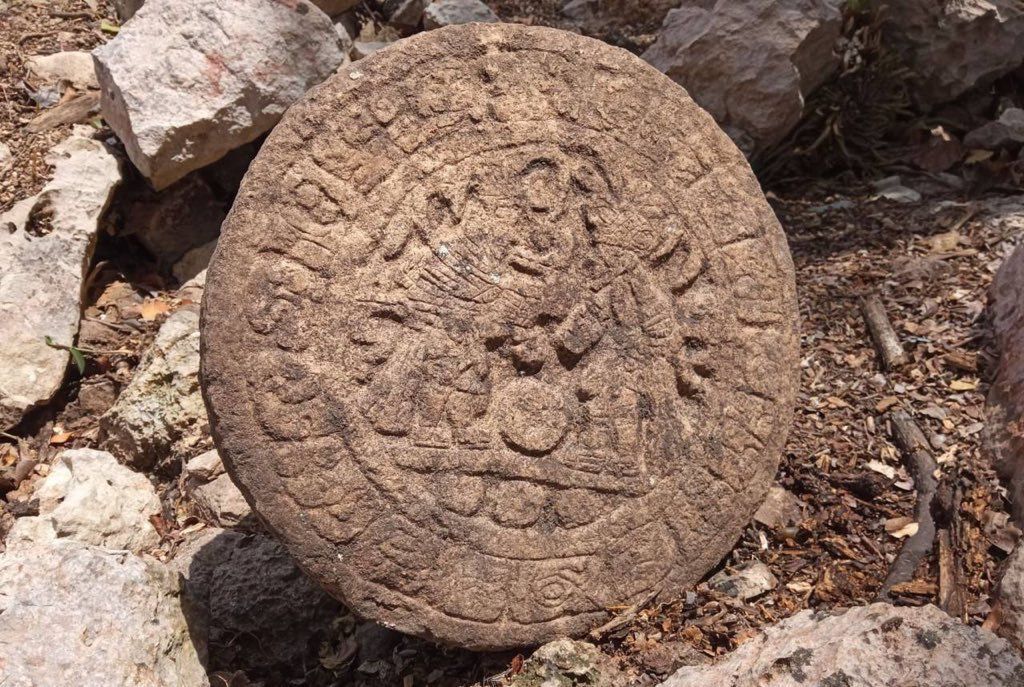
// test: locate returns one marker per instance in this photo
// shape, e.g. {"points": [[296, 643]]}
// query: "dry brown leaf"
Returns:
{"points": [[152, 309], [886, 403]]}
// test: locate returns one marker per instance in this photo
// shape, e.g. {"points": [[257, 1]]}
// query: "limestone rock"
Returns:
{"points": [[186, 81], [866, 646], [1006, 130], [1004, 409], [46, 243], [780, 508], [450, 12], [91, 498], [745, 582], [213, 492], [405, 14], [259, 608], [954, 45], [6, 157], [179, 219], [476, 415], [1010, 598], [194, 262], [74, 67], [73, 614], [565, 663], [160, 415], [750, 64]]}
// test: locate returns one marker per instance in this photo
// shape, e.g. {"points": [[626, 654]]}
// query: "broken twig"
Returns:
{"points": [[888, 345], [911, 440], [624, 618]]}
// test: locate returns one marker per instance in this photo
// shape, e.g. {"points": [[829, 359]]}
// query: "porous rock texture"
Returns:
{"points": [[257, 607], [955, 45], [565, 663], [488, 360], [750, 64], [89, 497], [867, 646], [46, 244], [159, 418], [1004, 407], [186, 81], [73, 614]]}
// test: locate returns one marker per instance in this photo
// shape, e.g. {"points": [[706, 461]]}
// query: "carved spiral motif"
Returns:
{"points": [[500, 333]]}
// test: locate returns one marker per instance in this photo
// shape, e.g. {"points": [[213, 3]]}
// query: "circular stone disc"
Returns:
{"points": [[500, 333]]}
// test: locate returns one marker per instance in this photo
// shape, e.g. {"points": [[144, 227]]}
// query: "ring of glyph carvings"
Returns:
{"points": [[500, 332]]}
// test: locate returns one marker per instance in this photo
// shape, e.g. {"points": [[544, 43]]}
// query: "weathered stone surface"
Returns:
{"points": [[213, 492], [126, 9], [1010, 600], [499, 361], [237, 65], [867, 646], [160, 415], [46, 243], [405, 14], [181, 218], [258, 607], [91, 498], [74, 67], [779, 509], [452, 12], [194, 262], [72, 614], [565, 663], [1004, 409], [954, 45], [1006, 130], [745, 582], [750, 64]]}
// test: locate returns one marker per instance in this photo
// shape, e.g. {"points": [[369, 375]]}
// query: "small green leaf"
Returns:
{"points": [[49, 342], [109, 27], [79, 359]]}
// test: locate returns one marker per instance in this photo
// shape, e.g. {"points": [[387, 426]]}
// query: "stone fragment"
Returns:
{"points": [[1004, 409], [361, 49], [1010, 598], [126, 9], [780, 509], [405, 14], [213, 492], [750, 64], [46, 244], [91, 498], [892, 188], [6, 157], [72, 614], [179, 219], [194, 262], [866, 646], [451, 12], [564, 662], [259, 607], [477, 415], [238, 65], [1006, 130], [745, 582], [159, 418], [952, 46], [74, 67]]}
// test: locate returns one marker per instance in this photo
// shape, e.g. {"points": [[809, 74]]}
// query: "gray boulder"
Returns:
{"points": [[46, 244], [1007, 130], [73, 614], [186, 81], [867, 646], [750, 64], [954, 45], [91, 498], [159, 418], [450, 12], [260, 609]]}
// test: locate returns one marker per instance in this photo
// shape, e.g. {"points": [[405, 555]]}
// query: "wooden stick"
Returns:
{"points": [[911, 440], [950, 590], [624, 618], [888, 345]]}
